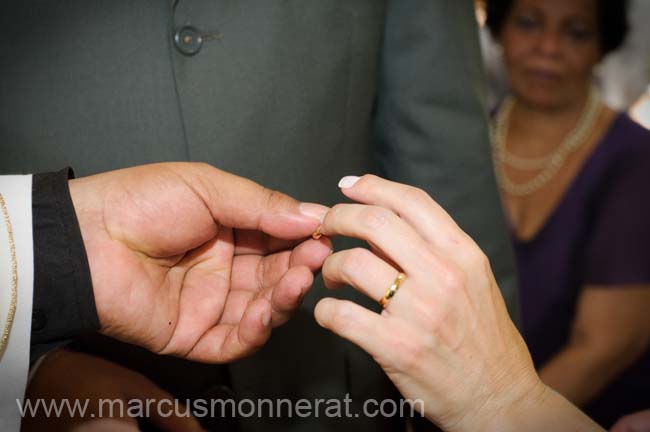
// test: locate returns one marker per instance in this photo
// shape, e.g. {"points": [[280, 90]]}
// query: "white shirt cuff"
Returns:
{"points": [[14, 361]]}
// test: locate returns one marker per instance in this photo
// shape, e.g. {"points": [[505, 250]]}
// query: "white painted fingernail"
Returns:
{"points": [[348, 181]]}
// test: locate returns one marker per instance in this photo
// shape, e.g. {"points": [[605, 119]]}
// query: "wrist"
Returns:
{"points": [[519, 412], [542, 410], [504, 408], [86, 199]]}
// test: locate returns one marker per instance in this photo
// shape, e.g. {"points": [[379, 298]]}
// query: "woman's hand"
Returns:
{"points": [[192, 261], [445, 337]]}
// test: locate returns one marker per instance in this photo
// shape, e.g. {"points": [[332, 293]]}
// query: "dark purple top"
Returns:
{"points": [[598, 235]]}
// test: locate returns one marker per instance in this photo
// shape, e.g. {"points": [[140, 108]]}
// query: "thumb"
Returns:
{"points": [[237, 202]]}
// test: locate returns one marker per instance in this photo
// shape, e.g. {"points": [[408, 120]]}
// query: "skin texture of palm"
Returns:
{"points": [[191, 261]]}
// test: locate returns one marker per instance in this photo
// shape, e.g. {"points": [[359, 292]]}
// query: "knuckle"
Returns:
{"points": [[416, 197], [411, 353], [456, 240], [373, 218], [429, 262], [424, 312], [274, 199], [432, 319], [474, 260], [352, 261], [368, 180], [341, 316], [452, 277], [478, 260], [333, 212], [202, 166]]}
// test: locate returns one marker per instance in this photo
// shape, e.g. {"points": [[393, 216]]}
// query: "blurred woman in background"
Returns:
{"points": [[575, 182]]}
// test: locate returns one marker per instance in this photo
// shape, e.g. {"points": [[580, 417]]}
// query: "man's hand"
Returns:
{"points": [[111, 397], [192, 261]]}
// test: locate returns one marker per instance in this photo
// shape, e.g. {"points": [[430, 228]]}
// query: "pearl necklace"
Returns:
{"points": [[549, 164]]}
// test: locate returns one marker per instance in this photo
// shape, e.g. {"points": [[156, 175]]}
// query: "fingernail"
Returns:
{"points": [[348, 181], [312, 210], [266, 318]]}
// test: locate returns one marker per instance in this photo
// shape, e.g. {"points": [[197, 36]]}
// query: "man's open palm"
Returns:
{"points": [[192, 261]]}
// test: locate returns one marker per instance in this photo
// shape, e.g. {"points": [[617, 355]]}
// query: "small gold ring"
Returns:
{"points": [[317, 234], [392, 290]]}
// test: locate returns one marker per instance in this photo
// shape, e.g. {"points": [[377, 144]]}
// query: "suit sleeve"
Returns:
{"points": [[64, 301], [431, 123], [16, 281]]}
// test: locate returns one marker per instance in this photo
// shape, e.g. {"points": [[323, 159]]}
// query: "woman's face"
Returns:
{"points": [[550, 48]]}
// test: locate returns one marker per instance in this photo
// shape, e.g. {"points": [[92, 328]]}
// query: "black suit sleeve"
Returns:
{"points": [[64, 303]]}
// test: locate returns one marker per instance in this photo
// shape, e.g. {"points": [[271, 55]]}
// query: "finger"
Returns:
{"points": [[352, 322], [225, 343], [311, 253], [256, 273], [235, 306], [203, 292], [253, 330], [285, 296], [260, 243], [360, 268], [383, 229], [413, 205], [380, 254], [287, 291], [420, 211], [241, 203]]}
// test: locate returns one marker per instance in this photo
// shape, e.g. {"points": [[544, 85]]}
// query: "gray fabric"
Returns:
{"points": [[432, 128], [283, 92]]}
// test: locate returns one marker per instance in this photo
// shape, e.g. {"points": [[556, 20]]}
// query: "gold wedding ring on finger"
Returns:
{"points": [[392, 290]]}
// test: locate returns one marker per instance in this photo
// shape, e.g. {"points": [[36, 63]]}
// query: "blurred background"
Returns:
{"points": [[623, 77], [569, 101]]}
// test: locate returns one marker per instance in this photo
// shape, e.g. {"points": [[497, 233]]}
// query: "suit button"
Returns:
{"points": [[188, 40], [38, 320]]}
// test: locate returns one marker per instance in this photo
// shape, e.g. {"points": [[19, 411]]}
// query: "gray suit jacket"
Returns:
{"points": [[291, 93]]}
